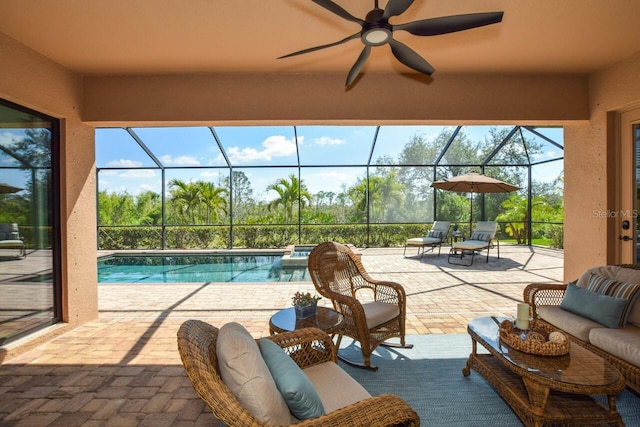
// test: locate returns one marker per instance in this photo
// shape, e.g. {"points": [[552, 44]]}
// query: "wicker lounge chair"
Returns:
{"points": [[435, 238], [311, 349], [10, 239], [339, 276], [483, 237]]}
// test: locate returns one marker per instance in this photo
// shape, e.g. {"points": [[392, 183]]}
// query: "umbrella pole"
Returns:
{"points": [[471, 214]]}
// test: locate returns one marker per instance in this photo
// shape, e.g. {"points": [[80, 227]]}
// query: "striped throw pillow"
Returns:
{"points": [[436, 234], [616, 289], [485, 237]]}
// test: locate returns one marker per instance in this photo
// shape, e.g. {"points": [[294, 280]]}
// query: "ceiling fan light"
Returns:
{"points": [[376, 36]]}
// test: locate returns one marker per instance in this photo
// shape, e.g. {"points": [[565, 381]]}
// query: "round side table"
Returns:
{"points": [[326, 319]]}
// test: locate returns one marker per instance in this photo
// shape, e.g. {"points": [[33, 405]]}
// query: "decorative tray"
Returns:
{"points": [[540, 338]]}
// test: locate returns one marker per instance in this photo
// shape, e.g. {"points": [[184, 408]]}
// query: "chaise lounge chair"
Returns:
{"points": [[436, 237], [483, 237], [10, 239]]}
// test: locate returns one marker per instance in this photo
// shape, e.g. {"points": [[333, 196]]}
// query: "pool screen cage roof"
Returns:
{"points": [[329, 160]]}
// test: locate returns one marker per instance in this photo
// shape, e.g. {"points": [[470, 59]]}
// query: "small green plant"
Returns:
{"points": [[304, 299]]}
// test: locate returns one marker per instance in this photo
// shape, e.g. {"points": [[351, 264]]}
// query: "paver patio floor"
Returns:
{"points": [[124, 369]]}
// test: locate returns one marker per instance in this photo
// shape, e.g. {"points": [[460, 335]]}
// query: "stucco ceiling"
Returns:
{"points": [[120, 37]]}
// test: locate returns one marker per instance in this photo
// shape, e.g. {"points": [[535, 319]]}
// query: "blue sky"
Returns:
{"points": [[266, 145]]}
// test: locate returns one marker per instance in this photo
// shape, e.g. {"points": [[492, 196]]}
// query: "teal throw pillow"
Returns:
{"points": [[603, 309], [294, 385], [613, 288]]}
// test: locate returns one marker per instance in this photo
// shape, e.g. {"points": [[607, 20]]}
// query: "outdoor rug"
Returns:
{"points": [[429, 377]]}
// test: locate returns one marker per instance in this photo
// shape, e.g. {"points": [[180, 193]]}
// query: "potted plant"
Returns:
{"points": [[305, 304]]}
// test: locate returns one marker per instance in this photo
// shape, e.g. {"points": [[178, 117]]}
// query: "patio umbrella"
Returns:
{"points": [[6, 189], [474, 183]]}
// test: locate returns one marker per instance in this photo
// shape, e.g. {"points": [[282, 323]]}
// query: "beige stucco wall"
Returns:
{"points": [[29, 79], [591, 175], [304, 98]]}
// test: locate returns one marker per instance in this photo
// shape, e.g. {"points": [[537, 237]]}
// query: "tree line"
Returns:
{"points": [[389, 193]]}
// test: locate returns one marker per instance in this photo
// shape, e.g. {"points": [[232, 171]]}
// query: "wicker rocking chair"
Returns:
{"points": [[373, 310]]}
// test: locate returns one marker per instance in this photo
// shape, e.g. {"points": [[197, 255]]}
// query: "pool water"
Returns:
{"points": [[197, 268]]}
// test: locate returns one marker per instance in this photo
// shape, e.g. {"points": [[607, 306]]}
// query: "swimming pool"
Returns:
{"points": [[172, 268]]}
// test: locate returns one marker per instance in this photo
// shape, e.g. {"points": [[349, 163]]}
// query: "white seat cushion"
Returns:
{"points": [[11, 244], [623, 342], [334, 386], [573, 324], [423, 241], [378, 313], [470, 245]]}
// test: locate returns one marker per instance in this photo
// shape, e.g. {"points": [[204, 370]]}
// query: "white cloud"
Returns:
{"points": [[210, 174], [124, 163], [180, 160], [325, 140], [145, 187], [138, 174], [7, 138], [273, 146]]}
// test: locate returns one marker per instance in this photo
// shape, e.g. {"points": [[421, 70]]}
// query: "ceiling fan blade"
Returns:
{"points": [[450, 24], [312, 49], [332, 7], [357, 67], [410, 58], [396, 7]]}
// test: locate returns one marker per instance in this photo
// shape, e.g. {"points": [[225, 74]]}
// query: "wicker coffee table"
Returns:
{"points": [[545, 389]]}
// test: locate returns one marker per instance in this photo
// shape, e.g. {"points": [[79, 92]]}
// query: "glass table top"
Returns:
{"points": [[579, 366]]}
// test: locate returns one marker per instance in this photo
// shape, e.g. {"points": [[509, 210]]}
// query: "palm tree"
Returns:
{"points": [[186, 198], [289, 192], [213, 199]]}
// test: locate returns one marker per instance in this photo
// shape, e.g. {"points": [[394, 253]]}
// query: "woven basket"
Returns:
{"points": [[511, 337]]}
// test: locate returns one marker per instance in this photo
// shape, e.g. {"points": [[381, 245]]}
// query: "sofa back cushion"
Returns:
{"points": [[621, 274], [245, 372]]}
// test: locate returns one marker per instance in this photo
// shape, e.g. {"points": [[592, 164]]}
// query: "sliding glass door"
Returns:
{"points": [[29, 225]]}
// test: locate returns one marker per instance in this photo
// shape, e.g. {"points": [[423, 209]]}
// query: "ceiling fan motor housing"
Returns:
{"points": [[376, 30]]}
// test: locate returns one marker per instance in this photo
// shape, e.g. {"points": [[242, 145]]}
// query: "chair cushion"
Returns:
{"points": [[334, 386], [378, 313], [11, 244], [244, 371], [423, 241], [301, 397], [623, 342], [616, 289], [571, 323], [603, 309], [470, 245]]}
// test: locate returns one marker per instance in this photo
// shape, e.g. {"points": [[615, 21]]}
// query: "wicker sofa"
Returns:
{"points": [[252, 398], [619, 344]]}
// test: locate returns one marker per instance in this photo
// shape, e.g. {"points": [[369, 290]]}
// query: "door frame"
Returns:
{"points": [[626, 180]]}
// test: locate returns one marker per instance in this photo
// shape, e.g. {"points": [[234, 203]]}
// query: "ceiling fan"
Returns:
{"points": [[377, 31]]}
